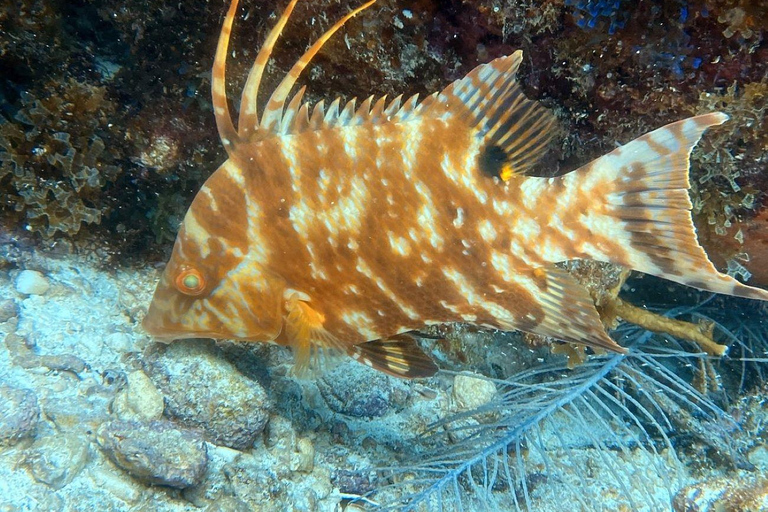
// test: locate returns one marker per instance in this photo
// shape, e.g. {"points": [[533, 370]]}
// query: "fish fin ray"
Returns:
{"points": [[292, 110], [514, 129], [274, 108], [648, 211], [399, 356], [227, 132], [315, 349], [249, 117], [569, 311]]}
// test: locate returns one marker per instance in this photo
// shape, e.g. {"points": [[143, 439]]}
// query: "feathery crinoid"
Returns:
{"points": [[601, 436]]}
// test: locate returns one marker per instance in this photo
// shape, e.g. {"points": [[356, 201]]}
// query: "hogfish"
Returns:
{"points": [[348, 228]]}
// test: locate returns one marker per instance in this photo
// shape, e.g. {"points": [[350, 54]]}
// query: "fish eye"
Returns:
{"points": [[190, 281]]}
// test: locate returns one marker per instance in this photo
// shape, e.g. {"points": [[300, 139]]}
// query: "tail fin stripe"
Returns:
{"points": [[648, 209]]}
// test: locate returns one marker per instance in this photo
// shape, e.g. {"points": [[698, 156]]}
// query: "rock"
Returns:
{"points": [[155, 452], [472, 392], [361, 392], [139, 400], [759, 456], [303, 459], [120, 342], [350, 481], [77, 413], [32, 282], [204, 391], [8, 309], [736, 493], [228, 504], [115, 483], [19, 415], [57, 459]]}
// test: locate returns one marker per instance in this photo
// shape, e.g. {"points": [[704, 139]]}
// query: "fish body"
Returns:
{"points": [[349, 227]]}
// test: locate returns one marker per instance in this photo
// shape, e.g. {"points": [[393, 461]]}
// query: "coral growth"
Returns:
{"points": [[728, 171], [51, 168], [590, 13]]}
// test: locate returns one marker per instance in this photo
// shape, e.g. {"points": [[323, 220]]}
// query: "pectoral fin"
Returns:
{"points": [[314, 348]]}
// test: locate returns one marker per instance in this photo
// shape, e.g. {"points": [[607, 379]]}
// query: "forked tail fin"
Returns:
{"points": [[639, 212]]}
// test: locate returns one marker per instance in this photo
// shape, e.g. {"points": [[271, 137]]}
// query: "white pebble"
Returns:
{"points": [[140, 400], [471, 392], [32, 282], [119, 342]]}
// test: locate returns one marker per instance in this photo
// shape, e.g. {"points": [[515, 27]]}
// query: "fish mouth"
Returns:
{"points": [[166, 334], [155, 328]]}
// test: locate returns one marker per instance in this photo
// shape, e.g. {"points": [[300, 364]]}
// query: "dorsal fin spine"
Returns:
{"points": [[275, 103], [290, 113], [332, 114], [249, 112], [226, 128]]}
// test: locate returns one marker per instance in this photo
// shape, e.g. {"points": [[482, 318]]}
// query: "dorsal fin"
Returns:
{"points": [[227, 132], [318, 114], [408, 108], [515, 129], [377, 111], [393, 107], [291, 111], [332, 114], [345, 117], [301, 123], [274, 108], [364, 111], [249, 113]]}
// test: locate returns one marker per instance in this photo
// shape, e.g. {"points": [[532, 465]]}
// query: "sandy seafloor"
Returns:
{"points": [[92, 316]]}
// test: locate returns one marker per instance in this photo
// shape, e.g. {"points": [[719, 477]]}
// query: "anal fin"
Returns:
{"points": [[399, 356], [569, 314]]}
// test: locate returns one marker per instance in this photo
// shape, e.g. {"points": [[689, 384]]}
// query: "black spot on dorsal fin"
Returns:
{"points": [[490, 98], [492, 160]]}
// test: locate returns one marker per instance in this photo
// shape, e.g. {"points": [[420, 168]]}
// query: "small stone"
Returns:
{"points": [[155, 452], [204, 391], [76, 414], [759, 456], [350, 481], [117, 485], [472, 392], [57, 459], [361, 392], [303, 460], [8, 309], [32, 282], [140, 400], [19, 415], [736, 493], [228, 504], [120, 342]]}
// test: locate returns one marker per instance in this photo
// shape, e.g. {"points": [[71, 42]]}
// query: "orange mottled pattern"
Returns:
{"points": [[333, 227]]}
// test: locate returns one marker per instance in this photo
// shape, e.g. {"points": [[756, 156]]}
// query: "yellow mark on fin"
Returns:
{"points": [[506, 172]]}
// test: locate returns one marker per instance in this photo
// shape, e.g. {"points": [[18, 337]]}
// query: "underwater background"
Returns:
{"points": [[106, 134]]}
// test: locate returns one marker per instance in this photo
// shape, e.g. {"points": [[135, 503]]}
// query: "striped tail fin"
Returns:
{"points": [[645, 221]]}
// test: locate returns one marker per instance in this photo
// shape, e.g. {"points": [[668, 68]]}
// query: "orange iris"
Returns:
{"points": [[190, 281]]}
